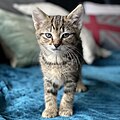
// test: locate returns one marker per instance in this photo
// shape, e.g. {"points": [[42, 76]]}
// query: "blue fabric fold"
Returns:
{"points": [[22, 95]]}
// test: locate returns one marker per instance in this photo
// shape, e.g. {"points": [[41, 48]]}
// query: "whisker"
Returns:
{"points": [[76, 50], [61, 57], [76, 58], [45, 51], [68, 54]]}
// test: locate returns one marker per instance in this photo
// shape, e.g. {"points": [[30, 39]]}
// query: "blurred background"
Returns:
{"points": [[21, 84], [17, 7]]}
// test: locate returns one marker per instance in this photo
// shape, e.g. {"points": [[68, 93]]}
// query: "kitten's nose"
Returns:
{"points": [[56, 45]]}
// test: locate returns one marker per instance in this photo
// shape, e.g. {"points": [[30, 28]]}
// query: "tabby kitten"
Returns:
{"points": [[61, 58]]}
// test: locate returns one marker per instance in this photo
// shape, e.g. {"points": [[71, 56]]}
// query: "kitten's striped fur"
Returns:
{"points": [[61, 57]]}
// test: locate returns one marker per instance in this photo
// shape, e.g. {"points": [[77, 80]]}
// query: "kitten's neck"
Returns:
{"points": [[54, 59]]}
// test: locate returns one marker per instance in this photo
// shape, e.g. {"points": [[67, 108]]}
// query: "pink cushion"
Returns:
{"points": [[105, 29]]}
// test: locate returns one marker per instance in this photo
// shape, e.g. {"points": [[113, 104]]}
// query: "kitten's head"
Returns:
{"points": [[56, 33]]}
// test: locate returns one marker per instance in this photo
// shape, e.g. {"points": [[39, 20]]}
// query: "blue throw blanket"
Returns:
{"points": [[22, 96]]}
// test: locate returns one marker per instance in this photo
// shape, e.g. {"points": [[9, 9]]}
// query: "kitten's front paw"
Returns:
{"points": [[49, 113], [66, 112]]}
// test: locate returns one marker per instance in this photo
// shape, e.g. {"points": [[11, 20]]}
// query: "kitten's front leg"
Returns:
{"points": [[66, 105], [50, 91]]}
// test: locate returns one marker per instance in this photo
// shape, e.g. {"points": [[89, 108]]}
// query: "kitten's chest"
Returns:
{"points": [[58, 73], [53, 71], [55, 74]]}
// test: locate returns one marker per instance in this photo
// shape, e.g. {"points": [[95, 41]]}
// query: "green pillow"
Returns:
{"points": [[18, 39]]}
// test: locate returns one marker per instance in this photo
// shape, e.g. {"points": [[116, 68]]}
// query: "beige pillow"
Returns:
{"points": [[104, 22], [48, 8], [90, 49]]}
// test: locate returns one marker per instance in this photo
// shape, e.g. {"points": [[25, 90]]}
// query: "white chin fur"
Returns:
{"points": [[54, 56]]}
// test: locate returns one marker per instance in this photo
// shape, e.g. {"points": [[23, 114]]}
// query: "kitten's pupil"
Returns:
{"points": [[48, 35], [65, 35]]}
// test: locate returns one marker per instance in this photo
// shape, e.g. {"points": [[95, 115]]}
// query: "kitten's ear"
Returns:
{"points": [[38, 17], [76, 16]]}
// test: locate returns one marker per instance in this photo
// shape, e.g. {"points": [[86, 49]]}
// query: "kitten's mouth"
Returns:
{"points": [[56, 49]]}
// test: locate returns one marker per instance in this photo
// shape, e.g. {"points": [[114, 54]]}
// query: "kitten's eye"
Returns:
{"points": [[48, 35], [65, 35]]}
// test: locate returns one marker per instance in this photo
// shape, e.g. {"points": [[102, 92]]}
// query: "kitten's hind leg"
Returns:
{"points": [[80, 87]]}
